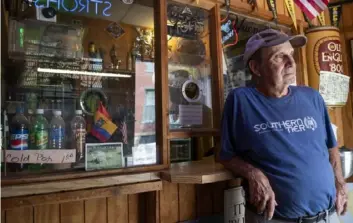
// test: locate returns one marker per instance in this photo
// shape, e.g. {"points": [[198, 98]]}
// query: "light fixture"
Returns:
{"points": [[88, 73]]}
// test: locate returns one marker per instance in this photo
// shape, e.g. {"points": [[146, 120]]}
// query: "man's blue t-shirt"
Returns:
{"points": [[287, 138]]}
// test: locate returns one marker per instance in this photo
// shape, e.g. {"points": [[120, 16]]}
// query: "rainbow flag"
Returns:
{"points": [[103, 127]]}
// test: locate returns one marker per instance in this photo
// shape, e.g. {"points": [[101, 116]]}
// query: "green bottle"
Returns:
{"points": [[39, 136]]}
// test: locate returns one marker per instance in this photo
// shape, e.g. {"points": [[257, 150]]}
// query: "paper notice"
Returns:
{"points": [[334, 88], [190, 114], [144, 154], [334, 129]]}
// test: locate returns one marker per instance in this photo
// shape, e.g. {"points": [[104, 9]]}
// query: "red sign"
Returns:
{"points": [[328, 55]]}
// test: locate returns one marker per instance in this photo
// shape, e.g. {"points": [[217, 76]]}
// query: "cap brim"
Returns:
{"points": [[298, 41]]}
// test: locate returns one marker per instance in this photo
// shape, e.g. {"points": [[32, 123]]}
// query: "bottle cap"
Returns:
{"points": [[40, 111], [78, 112], [57, 112]]}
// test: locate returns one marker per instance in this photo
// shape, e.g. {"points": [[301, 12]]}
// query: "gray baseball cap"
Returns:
{"points": [[268, 38]]}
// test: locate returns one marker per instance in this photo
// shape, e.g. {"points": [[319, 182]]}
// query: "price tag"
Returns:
{"points": [[39, 156]]}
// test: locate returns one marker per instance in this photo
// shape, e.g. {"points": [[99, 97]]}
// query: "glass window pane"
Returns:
{"points": [[236, 74], [189, 67], [82, 80]]}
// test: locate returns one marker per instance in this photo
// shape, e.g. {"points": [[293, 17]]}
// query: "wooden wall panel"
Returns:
{"points": [[20, 215], [47, 213], [3, 216], [117, 209], [204, 199], [133, 204], [187, 202], [168, 204], [346, 26], [72, 212], [96, 210]]}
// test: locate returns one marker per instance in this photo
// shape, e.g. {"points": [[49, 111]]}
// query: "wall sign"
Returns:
{"points": [[98, 7], [328, 55], [229, 32]]}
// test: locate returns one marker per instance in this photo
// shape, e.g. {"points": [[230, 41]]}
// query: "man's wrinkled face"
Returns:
{"points": [[277, 66]]}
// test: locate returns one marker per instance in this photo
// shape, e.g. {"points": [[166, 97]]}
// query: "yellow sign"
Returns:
{"points": [[321, 18], [291, 10]]}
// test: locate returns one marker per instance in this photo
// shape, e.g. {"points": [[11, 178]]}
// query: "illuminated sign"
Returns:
{"points": [[99, 7]]}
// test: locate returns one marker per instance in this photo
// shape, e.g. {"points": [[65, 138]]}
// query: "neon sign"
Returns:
{"points": [[100, 7]]}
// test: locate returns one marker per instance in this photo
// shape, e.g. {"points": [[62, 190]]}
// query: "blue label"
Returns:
{"points": [[57, 137]]}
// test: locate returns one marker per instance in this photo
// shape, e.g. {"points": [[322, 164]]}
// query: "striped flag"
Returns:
{"points": [[312, 8]]}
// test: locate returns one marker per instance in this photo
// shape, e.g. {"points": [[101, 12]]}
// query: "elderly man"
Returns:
{"points": [[279, 138]]}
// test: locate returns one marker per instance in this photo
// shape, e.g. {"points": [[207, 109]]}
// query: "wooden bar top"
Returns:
{"points": [[197, 172]]}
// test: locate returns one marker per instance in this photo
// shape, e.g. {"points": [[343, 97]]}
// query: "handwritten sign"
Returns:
{"points": [[334, 88], [100, 7], [39, 156]]}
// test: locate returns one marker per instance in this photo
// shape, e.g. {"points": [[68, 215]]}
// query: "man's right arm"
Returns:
{"points": [[261, 194]]}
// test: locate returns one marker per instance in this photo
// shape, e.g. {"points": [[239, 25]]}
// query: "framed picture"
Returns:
{"points": [[104, 156]]}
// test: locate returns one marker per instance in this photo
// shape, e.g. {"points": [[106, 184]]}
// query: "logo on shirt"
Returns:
{"points": [[291, 126]]}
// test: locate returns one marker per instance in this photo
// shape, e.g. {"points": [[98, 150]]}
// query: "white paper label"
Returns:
{"points": [[144, 154], [190, 114], [40, 156], [334, 88]]}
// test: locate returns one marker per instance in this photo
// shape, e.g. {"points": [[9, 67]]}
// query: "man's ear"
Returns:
{"points": [[254, 67]]}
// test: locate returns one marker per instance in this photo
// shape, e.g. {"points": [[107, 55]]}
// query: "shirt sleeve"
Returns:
{"points": [[228, 128], [331, 141]]}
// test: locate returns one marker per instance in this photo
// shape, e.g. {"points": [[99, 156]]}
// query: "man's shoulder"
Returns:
{"points": [[240, 91], [307, 91]]}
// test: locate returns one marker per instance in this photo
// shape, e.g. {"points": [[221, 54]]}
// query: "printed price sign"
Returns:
{"points": [[39, 156]]}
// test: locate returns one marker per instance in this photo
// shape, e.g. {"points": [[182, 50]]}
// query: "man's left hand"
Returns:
{"points": [[341, 198]]}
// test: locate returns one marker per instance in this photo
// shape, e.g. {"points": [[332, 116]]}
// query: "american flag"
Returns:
{"points": [[122, 128], [312, 8]]}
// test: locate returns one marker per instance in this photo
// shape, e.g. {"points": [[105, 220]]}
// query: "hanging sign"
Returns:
{"points": [[272, 6], [291, 9], [229, 32], [100, 7], [328, 55], [321, 18], [335, 14]]}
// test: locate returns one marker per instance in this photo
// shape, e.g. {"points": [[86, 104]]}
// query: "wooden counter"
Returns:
{"points": [[197, 172]]}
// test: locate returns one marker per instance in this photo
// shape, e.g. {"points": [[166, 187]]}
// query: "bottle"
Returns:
{"points": [[78, 128], [57, 131], [39, 136], [57, 136], [19, 138], [30, 116]]}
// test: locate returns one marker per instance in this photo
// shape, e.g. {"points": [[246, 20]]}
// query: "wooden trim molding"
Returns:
{"points": [[60, 197], [79, 184]]}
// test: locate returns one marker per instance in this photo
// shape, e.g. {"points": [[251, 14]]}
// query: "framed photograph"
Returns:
{"points": [[104, 156]]}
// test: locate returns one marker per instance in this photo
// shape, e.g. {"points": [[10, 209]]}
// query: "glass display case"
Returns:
{"points": [[189, 67], [79, 88]]}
